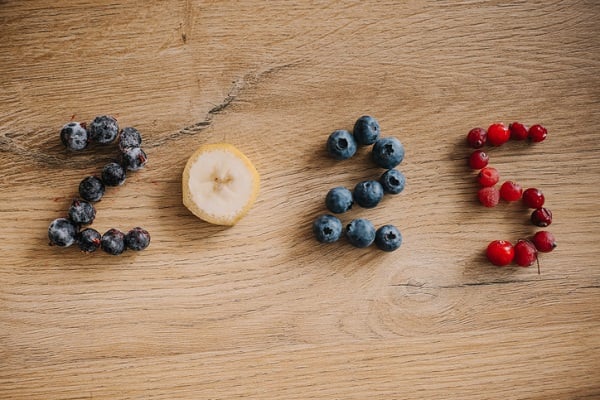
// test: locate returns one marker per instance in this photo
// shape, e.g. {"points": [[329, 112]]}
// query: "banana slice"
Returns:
{"points": [[220, 184]]}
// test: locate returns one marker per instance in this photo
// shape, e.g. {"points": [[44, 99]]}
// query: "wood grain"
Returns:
{"points": [[261, 310]]}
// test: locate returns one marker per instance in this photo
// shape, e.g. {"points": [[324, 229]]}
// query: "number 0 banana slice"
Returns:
{"points": [[220, 184]]}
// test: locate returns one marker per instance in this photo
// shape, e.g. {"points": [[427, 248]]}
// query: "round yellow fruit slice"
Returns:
{"points": [[219, 184]]}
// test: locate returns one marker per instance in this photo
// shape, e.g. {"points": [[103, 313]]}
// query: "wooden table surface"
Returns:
{"points": [[261, 310]]}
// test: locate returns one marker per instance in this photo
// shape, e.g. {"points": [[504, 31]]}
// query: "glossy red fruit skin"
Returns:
{"points": [[511, 191], [498, 134], [489, 196], [533, 198], [525, 253], [518, 131], [537, 133], [488, 176], [478, 159], [541, 217], [500, 252], [476, 138], [544, 241]]}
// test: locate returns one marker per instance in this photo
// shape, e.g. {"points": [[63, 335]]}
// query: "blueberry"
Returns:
{"points": [[366, 130], [113, 174], [113, 242], [137, 239], [134, 158], [393, 181], [89, 240], [129, 137], [327, 228], [388, 238], [368, 194], [341, 145], [360, 232], [339, 200], [74, 136], [104, 129], [81, 212], [62, 232], [388, 152], [91, 188]]}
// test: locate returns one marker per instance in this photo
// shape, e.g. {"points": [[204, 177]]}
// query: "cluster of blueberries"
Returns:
{"points": [[386, 153], [66, 231]]}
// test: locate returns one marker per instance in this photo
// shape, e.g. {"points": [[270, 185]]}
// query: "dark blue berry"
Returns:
{"points": [[388, 238], [134, 158], [137, 239], [74, 136], [327, 228], [393, 181], [113, 174], [388, 152], [339, 200], [360, 232], [62, 232], [104, 129], [368, 194], [129, 137], [341, 145], [89, 240], [366, 130], [113, 242], [91, 188], [81, 212]]}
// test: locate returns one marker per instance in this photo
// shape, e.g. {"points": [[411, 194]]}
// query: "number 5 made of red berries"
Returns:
{"points": [[502, 252]]}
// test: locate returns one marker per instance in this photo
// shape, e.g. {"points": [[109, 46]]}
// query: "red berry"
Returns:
{"points": [[537, 133], [533, 198], [488, 176], [544, 241], [498, 134], [511, 191], [477, 137], [489, 196], [500, 252], [478, 159], [541, 217], [525, 253], [518, 131]]}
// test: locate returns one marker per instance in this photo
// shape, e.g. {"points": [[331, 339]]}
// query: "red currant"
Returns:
{"points": [[478, 159], [500, 252], [541, 217], [537, 133], [488, 176], [533, 198], [477, 137], [525, 253], [498, 134], [518, 131], [544, 241], [489, 196], [511, 191]]}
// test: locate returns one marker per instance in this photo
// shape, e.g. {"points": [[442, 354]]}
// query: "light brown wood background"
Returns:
{"points": [[261, 310]]}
